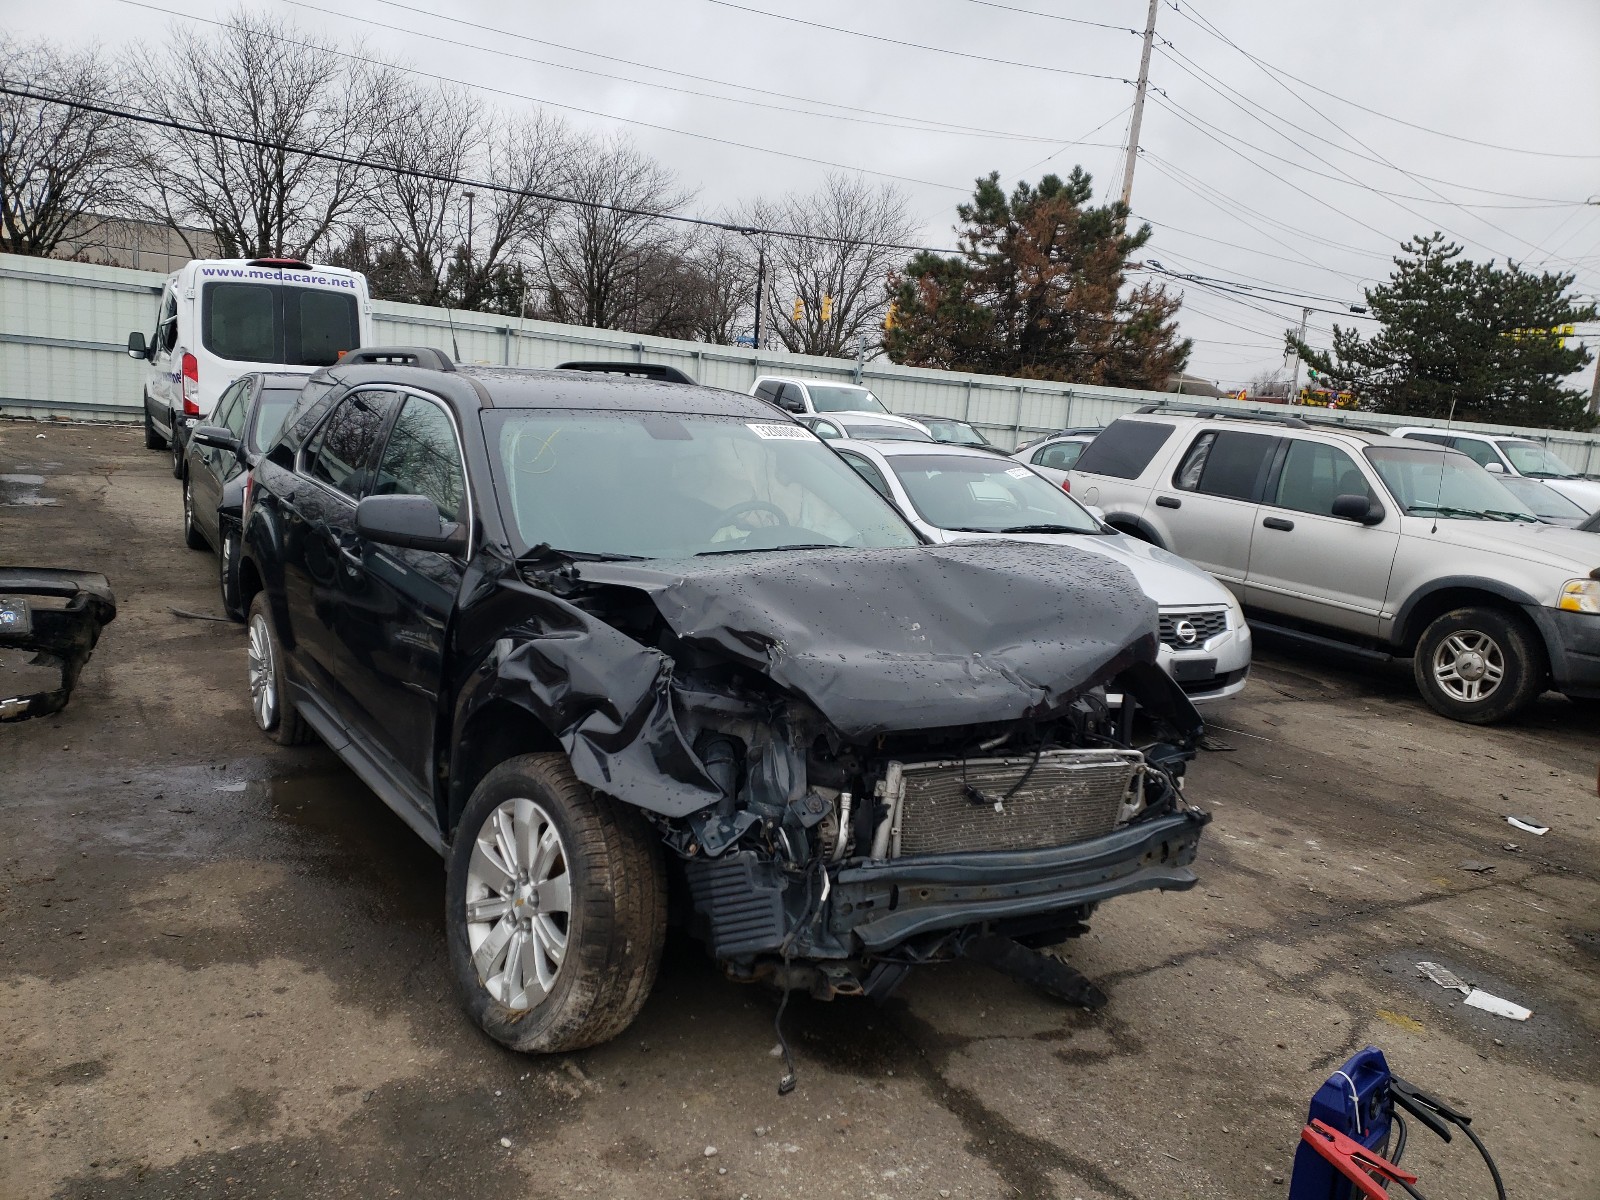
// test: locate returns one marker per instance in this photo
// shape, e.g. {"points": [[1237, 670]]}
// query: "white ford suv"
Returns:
{"points": [[1388, 546]]}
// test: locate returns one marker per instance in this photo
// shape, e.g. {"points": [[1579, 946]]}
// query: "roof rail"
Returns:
{"points": [[1223, 414], [425, 357], [660, 372]]}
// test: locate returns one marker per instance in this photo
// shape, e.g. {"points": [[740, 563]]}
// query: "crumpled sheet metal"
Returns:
{"points": [[63, 637], [917, 638]]}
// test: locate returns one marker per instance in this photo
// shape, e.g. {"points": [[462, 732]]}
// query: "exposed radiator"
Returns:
{"points": [[954, 806]]}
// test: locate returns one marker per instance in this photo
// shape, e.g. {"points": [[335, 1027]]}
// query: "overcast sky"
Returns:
{"points": [[1524, 74]]}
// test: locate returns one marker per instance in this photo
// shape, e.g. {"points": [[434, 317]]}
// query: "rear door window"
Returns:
{"points": [[1124, 448], [1223, 462], [340, 453]]}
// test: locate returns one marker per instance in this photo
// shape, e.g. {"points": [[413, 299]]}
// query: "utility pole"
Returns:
{"points": [[761, 286], [1138, 105], [1294, 384]]}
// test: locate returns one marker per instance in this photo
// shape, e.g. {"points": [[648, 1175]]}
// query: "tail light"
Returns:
{"points": [[191, 385], [1066, 485]]}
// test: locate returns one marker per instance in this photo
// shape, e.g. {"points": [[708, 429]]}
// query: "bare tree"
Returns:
{"points": [[601, 252], [842, 265], [525, 160], [725, 285], [62, 169], [292, 98]]}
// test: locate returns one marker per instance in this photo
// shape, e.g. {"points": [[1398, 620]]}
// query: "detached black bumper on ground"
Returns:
{"points": [[58, 616]]}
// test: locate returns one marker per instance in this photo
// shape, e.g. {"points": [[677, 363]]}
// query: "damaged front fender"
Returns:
{"points": [[57, 615]]}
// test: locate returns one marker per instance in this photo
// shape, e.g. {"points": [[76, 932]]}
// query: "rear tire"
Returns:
{"points": [[274, 715], [152, 439], [191, 535], [535, 976], [228, 571], [1479, 665], [177, 448]]}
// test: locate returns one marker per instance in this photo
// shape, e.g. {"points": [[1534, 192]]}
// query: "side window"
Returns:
{"points": [[1313, 474], [1438, 439], [422, 459], [767, 390], [1480, 452], [789, 397], [227, 403], [167, 324], [870, 473], [239, 406], [1187, 476], [1123, 449], [340, 453], [826, 430], [1059, 457], [1234, 464]]}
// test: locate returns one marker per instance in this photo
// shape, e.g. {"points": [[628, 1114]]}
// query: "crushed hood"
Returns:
{"points": [[916, 638]]}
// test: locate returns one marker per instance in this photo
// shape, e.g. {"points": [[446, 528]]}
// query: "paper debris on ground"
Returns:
{"points": [[1444, 976], [1529, 826], [1478, 998]]}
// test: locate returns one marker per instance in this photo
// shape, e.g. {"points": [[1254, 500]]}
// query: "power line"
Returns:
{"points": [[706, 137], [1083, 141], [933, 126], [145, 118], [1205, 237], [876, 37], [1055, 16]]}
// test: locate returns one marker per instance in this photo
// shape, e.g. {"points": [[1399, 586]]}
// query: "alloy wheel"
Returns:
{"points": [[519, 903], [263, 685], [1468, 666]]}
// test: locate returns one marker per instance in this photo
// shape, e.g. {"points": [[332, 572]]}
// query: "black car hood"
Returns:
{"points": [[916, 638]]}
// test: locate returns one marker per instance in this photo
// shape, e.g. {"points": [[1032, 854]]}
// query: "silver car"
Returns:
{"points": [[956, 494], [1391, 547], [1055, 455]]}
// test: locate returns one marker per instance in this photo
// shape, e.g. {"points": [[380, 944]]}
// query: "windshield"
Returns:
{"points": [[1441, 483], [871, 431], [1530, 458], [836, 398], [1544, 500], [987, 495], [276, 323], [667, 485], [957, 433]]}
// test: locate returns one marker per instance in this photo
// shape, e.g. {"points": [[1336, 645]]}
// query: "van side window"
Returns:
{"points": [[1123, 449], [1314, 474], [1233, 464], [167, 324], [340, 453]]}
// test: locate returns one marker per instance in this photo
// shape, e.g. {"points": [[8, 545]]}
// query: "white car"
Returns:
{"points": [[1055, 455], [1508, 454], [807, 397], [955, 494], [874, 427], [221, 318]]}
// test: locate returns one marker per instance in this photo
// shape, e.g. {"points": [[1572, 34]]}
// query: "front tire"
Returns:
{"points": [[152, 439], [555, 908], [269, 702], [191, 535], [1479, 665]]}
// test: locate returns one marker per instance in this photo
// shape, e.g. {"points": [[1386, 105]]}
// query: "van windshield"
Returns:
{"points": [[278, 324]]}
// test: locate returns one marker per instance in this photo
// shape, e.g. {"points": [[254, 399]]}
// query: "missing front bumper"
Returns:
{"points": [[885, 903], [57, 616]]}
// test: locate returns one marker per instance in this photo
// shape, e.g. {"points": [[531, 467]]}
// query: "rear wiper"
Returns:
{"points": [[771, 549]]}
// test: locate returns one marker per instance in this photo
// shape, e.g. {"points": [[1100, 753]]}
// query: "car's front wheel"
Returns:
{"points": [[1479, 665], [269, 703], [555, 908], [152, 439]]}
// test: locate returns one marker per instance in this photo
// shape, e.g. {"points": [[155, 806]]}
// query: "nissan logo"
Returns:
{"points": [[1185, 632]]}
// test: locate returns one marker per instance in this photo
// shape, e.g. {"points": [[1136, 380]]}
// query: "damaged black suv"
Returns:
{"points": [[599, 640]]}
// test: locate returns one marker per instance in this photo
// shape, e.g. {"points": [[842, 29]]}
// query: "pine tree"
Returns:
{"points": [[1463, 339], [1039, 291]]}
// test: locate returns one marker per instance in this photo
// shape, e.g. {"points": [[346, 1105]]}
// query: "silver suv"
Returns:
{"points": [[1392, 547]]}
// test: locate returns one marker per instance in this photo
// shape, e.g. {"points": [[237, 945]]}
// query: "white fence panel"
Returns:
{"points": [[64, 327]]}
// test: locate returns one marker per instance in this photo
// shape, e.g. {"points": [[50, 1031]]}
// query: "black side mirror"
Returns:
{"points": [[219, 437], [136, 346], [1358, 508], [409, 521]]}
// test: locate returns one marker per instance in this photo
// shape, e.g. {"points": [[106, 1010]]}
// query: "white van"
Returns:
{"points": [[221, 317]]}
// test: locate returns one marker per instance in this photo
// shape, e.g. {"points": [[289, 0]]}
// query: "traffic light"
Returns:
{"points": [[799, 309], [827, 308]]}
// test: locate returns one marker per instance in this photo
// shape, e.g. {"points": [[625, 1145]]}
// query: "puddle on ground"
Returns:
{"points": [[22, 491]]}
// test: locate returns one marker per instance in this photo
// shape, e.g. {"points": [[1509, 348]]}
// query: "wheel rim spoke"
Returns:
{"points": [[555, 895], [491, 952], [488, 908], [518, 903], [489, 869]]}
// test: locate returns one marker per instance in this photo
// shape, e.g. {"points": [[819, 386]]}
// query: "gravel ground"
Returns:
{"points": [[222, 963]]}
